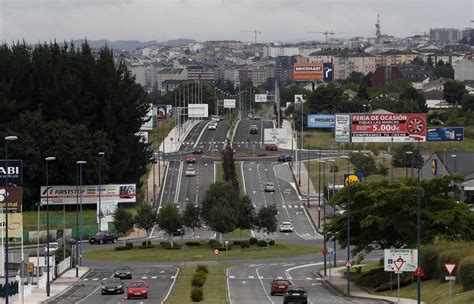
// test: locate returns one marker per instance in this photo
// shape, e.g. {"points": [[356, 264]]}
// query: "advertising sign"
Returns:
{"points": [[400, 260], [342, 128], [308, 71], [169, 109], [445, 134], [14, 172], [352, 178], [198, 110], [275, 136], [161, 111], [387, 127], [322, 121], [328, 72], [15, 220], [260, 97], [299, 99], [11, 197], [229, 103], [59, 195]]}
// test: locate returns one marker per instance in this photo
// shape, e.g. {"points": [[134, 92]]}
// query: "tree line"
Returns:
{"points": [[70, 102]]}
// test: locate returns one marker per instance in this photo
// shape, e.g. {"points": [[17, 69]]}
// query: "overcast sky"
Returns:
{"points": [[278, 20]]}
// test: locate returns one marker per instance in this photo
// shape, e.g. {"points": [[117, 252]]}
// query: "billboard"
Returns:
{"points": [[445, 134], [322, 121], [14, 172], [15, 220], [342, 128], [308, 71], [11, 197], [198, 110], [400, 260], [229, 103], [275, 136], [299, 99], [352, 178], [328, 72], [387, 127], [260, 97], [59, 195]]}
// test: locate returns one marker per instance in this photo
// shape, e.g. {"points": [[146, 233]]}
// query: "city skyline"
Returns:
{"points": [[201, 20]]}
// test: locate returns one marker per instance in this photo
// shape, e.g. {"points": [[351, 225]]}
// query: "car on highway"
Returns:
{"points": [[191, 159], [212, 126], [295, 295], [269, 187], [285, 158], [216, 118], [102, 237], [257, 117], [279, 286], [122, 273], [112, 285], [69, 241], [137, 289], [198, 150], [253, 129], [53, 246], [271, 147], [190, 171], [286, 227]]}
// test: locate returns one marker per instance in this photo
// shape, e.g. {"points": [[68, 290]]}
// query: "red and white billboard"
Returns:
{"points": [[387, 127], [308, 71]]}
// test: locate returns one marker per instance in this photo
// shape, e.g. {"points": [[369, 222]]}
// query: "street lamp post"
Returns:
{"points": [[324, 208], [100, 190], [334, 206], [79, 247], [319, 188], [47, 160], [348, 227], [6, 288]]}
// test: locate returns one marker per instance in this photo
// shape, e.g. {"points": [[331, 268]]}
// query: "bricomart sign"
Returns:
{"points": [[312, 71]]}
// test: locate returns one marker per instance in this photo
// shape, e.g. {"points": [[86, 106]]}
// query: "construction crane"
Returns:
{"points": [[326, 34], [255, 32]]}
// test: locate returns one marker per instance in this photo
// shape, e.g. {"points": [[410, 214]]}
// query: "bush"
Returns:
{"points": [[193, 244], [129, 244], [167, 246], [146, 243], [197, 294], [272, 242], [262, 243], [236, 242], [253, 241], [198, 280], [466, 274], [120, 248], [429, 261], [202, 268], [244, 244], [214, 243]]}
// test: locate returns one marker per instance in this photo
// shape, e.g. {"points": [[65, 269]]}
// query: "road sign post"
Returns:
{"points": [[450, 269], [226, 243], [215, 252]]}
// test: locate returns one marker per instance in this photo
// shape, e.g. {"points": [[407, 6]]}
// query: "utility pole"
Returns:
{"points": [[277, 102]]}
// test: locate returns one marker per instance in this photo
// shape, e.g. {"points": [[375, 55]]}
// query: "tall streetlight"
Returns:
{"points": [[6, 288], [333, 193], [412, 161], [47, 160], [322, 162], [79, 254], [100, 190], [348, 227]]}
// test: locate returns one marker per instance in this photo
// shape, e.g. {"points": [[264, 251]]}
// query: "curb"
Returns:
{"points": [[65, 290]]}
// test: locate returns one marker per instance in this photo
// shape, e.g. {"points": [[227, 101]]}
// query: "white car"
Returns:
{"points": [[212, 126], [190, 171], [286, 227], [215, 118], [53, 246], [269, 187]]}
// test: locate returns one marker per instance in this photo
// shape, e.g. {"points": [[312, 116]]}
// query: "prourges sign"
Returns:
{"points": [[13, 171], [387, 127]]}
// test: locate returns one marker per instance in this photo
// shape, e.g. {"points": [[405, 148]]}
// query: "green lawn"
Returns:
{"points": [[199, 253], [237, 234], [214, 289]]}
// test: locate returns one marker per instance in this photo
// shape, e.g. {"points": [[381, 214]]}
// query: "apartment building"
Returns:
{"points": [[200, 72], [448, 35], [260, 75], [345, 64], [464, 69], [276, 51], [394, 57]]}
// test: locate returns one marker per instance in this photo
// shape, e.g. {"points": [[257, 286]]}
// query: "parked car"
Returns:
{"points": [[124, 272], [295, 295], [279, 285], [112, 285], [271, 147], [253, 129], [53, 246], [137, 289], [191, 159], [190, 171], [103, 237], [179, 232], [269, 187], [286, 227], [69, 241], [285, 158], [197, 150]]}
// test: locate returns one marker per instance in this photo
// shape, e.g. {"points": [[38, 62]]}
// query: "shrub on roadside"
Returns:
{"points": [[193, 244], [253, 241], [215, 244], [121, 248], [146, 245], [129, 244], [198, 280], [466, 274], [244, 244], [236, 242], [272, 243], [202, 268], [197, 294], [262, 243]]}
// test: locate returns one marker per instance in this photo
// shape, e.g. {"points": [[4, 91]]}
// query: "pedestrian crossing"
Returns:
{"points": [[250, 277], [138, 277], [289, 206]]}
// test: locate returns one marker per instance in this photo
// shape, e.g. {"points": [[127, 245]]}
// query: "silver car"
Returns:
{"points": [[190, 171], [269, 187]]}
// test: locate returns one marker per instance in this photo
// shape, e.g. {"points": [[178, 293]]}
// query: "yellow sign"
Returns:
{"points": [[434, 167], [31, 267], [352, 179], [15, 220]]}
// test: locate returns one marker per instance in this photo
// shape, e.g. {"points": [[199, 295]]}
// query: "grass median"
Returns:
{"points": [[199, 253]]}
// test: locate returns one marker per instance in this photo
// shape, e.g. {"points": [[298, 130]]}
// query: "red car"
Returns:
{"points": [[137, 289], [190, 159], [280, 285], [271, 147]]}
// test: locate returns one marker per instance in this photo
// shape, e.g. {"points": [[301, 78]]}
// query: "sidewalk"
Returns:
{"points": [[60, 285], [339, 283]]}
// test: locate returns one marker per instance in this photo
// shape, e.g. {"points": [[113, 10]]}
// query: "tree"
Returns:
{"points": [[363, 163], [331, 99], [383, 214], [228, 166], [192, 217], [402, 160], [267, 219], [362, 92], [416, 100], [123, 220], [169, 220], [223, 219], [418, 61], [454, 91], [245, 214], [467, 102], [145, 217], [444, 70]]}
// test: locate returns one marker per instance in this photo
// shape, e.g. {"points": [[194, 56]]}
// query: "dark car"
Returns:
{"points": [[295, 295], [279, 285], [68, 241], [253, 129], [123, 273], [112, 285], [179, 232], [197, 150], [285, 158], [103, 237]]}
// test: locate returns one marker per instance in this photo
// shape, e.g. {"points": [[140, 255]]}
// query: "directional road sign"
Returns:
{"points": [[400, 260]]}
